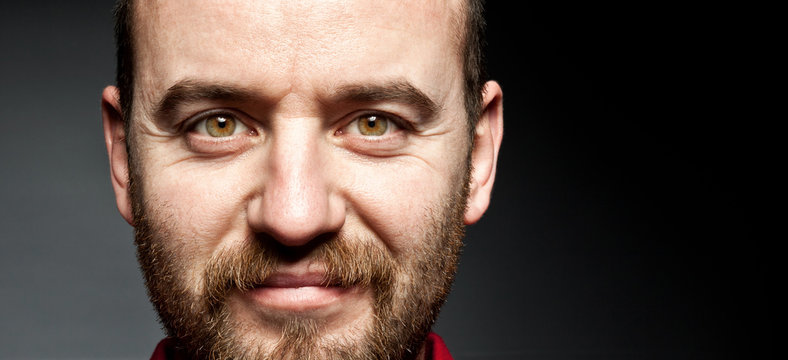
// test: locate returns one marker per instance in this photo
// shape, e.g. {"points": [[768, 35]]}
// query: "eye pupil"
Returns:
{"points": [[220, 126], [372, 125]]}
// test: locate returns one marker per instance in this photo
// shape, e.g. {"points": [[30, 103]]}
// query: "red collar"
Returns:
{"points": [[436, 349]]}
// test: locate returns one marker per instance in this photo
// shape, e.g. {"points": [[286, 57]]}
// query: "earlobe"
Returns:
{"points": [[489, 133], [115, 139]]}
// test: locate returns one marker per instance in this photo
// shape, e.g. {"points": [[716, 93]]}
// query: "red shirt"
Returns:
{"points": [[436, 349]]}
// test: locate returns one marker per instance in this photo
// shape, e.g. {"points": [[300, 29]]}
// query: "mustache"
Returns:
{"points": [[347, 262]]}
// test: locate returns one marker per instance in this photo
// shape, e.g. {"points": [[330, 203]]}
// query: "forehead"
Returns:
{"points": [[290, 44]]}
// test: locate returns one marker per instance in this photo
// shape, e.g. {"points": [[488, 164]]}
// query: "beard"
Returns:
{"points": [[408, 291]]}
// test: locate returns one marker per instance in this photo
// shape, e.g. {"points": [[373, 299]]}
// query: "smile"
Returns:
{"points": [[298, 293]]}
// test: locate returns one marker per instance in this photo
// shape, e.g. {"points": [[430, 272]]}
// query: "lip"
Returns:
{"points": [[298, 293], [287, 280]]}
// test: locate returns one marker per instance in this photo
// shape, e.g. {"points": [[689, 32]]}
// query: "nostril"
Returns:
{"points": [[296, 253], [295, 221], [297, 200]]}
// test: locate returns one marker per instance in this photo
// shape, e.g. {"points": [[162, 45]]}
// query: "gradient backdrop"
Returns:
{"points": [[619, 227]]}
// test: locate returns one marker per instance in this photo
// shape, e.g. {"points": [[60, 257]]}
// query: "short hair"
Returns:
{"points": [[472, 52]]}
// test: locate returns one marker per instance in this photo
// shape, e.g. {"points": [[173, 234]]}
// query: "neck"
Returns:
{"points": [[422, 352]]}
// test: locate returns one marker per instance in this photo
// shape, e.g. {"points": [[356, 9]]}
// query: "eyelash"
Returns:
{"points": [[191, 123], [398, 122]]}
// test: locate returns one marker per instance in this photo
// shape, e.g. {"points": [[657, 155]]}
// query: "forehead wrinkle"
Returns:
{"points": [[201, 35], [321, 30], [331, 25]]}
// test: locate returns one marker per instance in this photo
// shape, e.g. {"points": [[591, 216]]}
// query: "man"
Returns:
{"points": [[299, 173]]}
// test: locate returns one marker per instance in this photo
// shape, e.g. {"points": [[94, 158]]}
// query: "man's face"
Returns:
{"points": [[300, 173]]}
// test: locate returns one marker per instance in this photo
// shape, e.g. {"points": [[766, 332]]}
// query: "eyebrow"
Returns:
{"points": [[394, 91], [189, 90]]}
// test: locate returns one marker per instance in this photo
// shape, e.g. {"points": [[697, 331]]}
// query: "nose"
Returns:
{"points": [[297, 200]]}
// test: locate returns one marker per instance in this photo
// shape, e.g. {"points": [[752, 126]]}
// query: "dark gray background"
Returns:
{"points": [[621, 226]]}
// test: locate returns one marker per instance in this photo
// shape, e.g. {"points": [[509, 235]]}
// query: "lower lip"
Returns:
{"points": [[298, 298]]}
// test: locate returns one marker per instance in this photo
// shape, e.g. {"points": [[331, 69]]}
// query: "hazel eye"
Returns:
{"points": [[220, 125], [372, 125]]}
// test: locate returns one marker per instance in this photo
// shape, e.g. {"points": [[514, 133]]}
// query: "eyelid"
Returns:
{"points": [[192, 122], [397, 122]]}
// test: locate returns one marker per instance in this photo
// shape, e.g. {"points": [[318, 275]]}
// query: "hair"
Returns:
{"points": [[473, 66], [472, 46], [124, 57]]}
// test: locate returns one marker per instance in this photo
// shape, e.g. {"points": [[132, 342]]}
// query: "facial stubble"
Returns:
{"points": [[408, 290]]}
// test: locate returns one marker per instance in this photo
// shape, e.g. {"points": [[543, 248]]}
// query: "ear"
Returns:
{"points": [[489, 132], [115, 138]]}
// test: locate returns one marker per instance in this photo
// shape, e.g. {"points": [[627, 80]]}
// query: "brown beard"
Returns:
{"points": [[404, 310]]}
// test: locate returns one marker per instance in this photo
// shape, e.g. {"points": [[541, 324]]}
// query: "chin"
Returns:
{"points": [[321, 321]]}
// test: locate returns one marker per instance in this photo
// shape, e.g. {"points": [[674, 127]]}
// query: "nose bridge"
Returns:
{"points": [[297, 183], [296, 202]]}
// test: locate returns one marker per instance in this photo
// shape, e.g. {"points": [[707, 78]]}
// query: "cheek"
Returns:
{"points": [[203, 205], [398, 201]]}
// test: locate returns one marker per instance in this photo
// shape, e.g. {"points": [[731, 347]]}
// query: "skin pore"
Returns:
{"points": [[300, 175]]}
